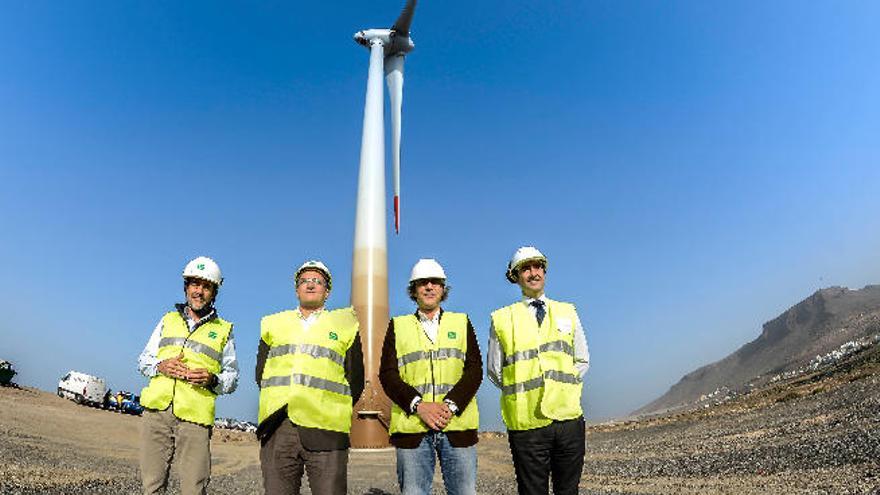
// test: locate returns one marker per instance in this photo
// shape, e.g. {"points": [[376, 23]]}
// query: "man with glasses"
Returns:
{"points": [[431, 369], [310, 372], [190, 359], [538, 356]]}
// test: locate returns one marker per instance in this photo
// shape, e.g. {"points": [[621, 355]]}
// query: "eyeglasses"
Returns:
{"points": [[311, 280]]}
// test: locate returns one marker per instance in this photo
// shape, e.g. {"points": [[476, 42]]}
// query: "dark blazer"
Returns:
{"points": [[315, 438], [403, 394]]}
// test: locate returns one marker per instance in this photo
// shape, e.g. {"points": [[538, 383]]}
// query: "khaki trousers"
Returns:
{"points": [[164, 439], [283, 460]]}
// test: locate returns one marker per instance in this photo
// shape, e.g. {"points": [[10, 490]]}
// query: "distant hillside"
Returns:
{"points": [[815, 326]]}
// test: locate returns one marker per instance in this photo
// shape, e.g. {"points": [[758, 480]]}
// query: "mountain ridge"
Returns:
{"points": [[814, 326]]}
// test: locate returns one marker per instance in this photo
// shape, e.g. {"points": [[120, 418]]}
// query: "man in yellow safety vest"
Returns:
{"points": [[190, 359], [310, 371], [431, 369], [537, 356]]}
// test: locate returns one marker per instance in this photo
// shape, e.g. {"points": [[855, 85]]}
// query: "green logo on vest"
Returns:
{"points": [[333, 336], [212, 334], [451, 335], [200, 266]]}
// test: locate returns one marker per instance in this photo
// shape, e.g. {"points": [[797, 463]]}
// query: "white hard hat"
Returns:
{"points": [[315, 265], [427, 268], [204, 268], [523, 254]]}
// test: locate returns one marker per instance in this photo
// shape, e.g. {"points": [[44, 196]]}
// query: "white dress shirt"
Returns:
{"points": [[430, 325], [308, 321], [495, 355], [227, 379]]}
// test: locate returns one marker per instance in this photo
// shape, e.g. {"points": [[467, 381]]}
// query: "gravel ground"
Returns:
{"points": [[818, 434]]}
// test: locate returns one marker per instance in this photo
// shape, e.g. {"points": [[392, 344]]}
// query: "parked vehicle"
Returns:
{"points": [[83, 388], [6, 372], [124, 402], [235, 424]]}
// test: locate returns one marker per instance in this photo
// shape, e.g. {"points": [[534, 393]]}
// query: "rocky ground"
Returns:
{"points": [[814, 434]]}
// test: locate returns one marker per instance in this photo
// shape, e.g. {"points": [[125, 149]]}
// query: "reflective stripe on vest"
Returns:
{"points": [[317, 395], [558, 346], [311, 349], [191, 345], [432, 368], [203, 348], [307, 381], [539, 380], [518, 388], [446, 353], [434, 389]]}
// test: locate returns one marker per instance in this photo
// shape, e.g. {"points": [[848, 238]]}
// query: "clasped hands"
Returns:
{"points": [[434, 414], [175, 368]]}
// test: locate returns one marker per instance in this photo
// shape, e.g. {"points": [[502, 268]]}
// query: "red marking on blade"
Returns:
{"points": [[396, 214]]}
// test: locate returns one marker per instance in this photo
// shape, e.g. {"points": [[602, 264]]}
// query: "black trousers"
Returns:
{"points": [[556, 450]]}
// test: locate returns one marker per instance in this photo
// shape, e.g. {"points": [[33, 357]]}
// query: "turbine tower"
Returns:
{"points": [[369, 274]]}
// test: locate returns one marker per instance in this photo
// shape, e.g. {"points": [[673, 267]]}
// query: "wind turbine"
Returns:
{"points": [[369, 274]]}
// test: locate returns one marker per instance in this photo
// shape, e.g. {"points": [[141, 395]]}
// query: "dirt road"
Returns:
{"points": [[51, 445]]}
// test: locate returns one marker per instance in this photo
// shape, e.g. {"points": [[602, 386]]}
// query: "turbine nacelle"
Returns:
{"points": [[394, 42]]}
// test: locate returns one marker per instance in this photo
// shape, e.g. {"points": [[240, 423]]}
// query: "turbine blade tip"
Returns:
{"points": [[397, 214]]}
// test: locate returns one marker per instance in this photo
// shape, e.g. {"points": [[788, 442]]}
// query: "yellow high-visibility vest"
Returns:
{"points": [[305, 369], [432, 368], [203, 348], [539, 380]]}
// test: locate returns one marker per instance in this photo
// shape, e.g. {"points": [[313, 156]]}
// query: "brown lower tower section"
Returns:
{"points": [[369, 296]]}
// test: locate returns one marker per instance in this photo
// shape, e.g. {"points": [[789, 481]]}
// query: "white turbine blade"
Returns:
{"points": [[394, 77], [405, 19]]}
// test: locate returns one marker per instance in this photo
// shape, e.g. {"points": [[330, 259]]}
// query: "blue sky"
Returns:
{"points": [[691, 169]]}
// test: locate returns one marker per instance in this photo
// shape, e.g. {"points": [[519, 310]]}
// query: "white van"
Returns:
{"points": [[83, 389]]}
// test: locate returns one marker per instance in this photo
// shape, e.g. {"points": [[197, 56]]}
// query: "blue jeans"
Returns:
{"points": [[415, 467]]}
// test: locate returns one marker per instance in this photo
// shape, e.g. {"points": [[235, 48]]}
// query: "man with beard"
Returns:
{"points": [[190, 359], [537, 356]]}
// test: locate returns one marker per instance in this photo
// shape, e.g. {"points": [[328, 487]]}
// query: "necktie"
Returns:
{"points": [[539, 310]]}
